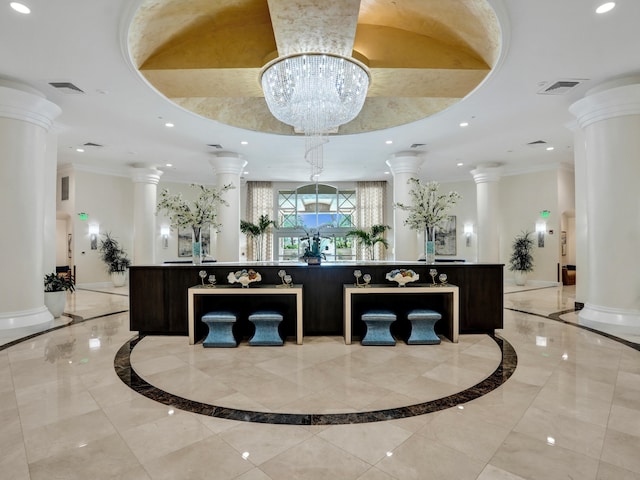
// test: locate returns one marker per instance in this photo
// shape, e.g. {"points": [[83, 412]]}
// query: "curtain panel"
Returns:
{"points": [[371, 202], [260, 202]]}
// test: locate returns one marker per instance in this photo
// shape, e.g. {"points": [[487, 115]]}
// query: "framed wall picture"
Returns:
{"points": [[563, 243], [446, 237], [185, 238]]}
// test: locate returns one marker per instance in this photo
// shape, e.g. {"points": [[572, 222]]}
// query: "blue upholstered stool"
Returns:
{"points": [[220, 329], [422, 327], [266, 328], [378, 324]]}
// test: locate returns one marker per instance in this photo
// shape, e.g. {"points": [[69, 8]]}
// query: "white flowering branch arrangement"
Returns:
{"points": [[200, 214], [428, 208]]}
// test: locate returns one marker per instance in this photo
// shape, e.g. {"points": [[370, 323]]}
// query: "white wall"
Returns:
{"points": [[522, 198], [108, 200]]}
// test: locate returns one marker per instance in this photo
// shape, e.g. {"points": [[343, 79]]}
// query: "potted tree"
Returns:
{"points": [[256, 232], [115, 259], [370, 238], [55, 292], [521, 260]]}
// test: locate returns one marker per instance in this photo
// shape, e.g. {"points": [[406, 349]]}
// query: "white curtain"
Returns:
{"points": [[260, 202], [371, 202]]}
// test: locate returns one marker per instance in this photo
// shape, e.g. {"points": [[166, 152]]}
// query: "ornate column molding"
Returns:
{"points": [[27, 106], [608, 100]]}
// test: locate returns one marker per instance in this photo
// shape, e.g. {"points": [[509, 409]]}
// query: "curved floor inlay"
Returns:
{"points": [[501, 374]]}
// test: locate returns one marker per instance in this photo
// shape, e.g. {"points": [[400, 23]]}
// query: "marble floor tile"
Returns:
{"points": [[571, 409]]}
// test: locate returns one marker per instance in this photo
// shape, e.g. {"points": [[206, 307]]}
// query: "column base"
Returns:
{"points": [[610, 320], [37, 317]]}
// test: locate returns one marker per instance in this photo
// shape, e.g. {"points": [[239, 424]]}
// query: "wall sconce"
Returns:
{"points": [[94, 230], [164, 231], [468, 231], [541, 227]]}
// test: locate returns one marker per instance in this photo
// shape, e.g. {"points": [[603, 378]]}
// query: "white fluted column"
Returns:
{"points": [[227, 167], [406, 245], [145, 186], [609, 116], [488, 204], [25, 186]]}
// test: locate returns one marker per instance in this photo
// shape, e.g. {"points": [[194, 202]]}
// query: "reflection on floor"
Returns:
{"points": [[570, 410]]}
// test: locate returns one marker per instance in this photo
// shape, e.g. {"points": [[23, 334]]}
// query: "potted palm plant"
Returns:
{"points": [[55, 292], [370, 238], [115, 259], [521, 260], [256, 232]]}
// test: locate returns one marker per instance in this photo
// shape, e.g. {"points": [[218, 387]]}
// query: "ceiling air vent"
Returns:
{"points": [[91, 144], [537, 143], [418, 145], [560, 87], [66, 87], [214, 145]]}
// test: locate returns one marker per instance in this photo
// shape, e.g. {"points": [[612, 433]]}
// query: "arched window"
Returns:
{"points": [[315, 208]]}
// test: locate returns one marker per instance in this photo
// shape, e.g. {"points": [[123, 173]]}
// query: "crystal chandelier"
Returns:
{"points": [[315, 93]]}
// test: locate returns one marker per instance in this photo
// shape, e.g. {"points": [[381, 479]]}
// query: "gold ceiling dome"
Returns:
{"points": [[422, 56]]}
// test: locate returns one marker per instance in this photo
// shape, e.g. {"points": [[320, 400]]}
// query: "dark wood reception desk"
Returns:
{"points": [[158, 294]]}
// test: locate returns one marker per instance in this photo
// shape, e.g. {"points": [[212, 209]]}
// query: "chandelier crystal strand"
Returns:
{"points": [[315, 93], [314, 154]]}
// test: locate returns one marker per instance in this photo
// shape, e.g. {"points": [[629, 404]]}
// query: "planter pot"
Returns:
{"points": [[520, 277], [55, 302], [119, 278]]}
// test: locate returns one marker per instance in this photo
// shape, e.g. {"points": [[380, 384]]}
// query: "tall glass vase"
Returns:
{"points": [[430, 245], [196, 246]]}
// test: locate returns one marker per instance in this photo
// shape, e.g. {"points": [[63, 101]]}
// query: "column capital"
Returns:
{"points": [[145, 174], [405, 162], [608, 100], [27, 106], [228, 162], [491, 172]]}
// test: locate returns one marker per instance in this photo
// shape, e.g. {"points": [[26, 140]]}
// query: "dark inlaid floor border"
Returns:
{"points": [[500, 375]]}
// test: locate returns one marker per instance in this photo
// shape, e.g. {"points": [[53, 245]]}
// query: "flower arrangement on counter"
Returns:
{"points": [[428, 209], [244, 277], [202, 213], [402, 276]]}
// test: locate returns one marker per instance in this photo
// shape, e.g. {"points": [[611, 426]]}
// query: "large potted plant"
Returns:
{"points": [[521, 261], [370, 238], [428, 211], [115, 258], [55, 292], [256, 232], [202, 213]]}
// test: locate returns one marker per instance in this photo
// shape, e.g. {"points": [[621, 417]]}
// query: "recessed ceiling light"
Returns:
{"points": [[459, 164], [605, 7], [244, 142], [169, 124], [389, 142], [387, 173], [169, 165], [80, 150], [20, 8], [464, 124], [245, 173], [549, 149]]}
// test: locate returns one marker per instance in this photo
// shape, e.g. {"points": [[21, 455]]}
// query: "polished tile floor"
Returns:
{"points": [[571, 409]]}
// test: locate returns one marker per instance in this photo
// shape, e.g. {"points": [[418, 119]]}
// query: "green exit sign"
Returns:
{"points": [[83, 216], [544, 213]]}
